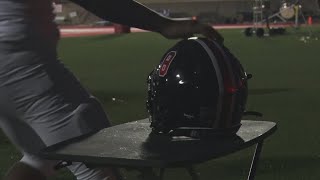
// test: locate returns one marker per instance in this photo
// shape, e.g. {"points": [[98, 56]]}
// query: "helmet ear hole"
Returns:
{"points": [[197, 85]]}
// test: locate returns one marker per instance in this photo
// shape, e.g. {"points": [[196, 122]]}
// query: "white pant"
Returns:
{"points": [[42, 103]]}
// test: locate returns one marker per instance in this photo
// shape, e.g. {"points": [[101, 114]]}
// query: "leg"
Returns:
{"points": [[34, 168], [82, 172], [31, 167], [53, 107], [22, 171]]}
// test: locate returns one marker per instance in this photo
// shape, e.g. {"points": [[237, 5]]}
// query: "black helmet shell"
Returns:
{"points": [[197, 85]]}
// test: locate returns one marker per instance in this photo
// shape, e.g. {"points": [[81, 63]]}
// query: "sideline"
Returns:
{"points": [[76, 31]]}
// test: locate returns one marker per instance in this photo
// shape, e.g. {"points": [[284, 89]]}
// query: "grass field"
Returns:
{"points": [[285, 88]]}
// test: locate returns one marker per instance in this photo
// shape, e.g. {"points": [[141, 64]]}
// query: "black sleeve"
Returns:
{"points": [[127, 12]]}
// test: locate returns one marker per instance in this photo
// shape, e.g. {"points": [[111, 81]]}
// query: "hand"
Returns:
{"points": [[187, 28]]}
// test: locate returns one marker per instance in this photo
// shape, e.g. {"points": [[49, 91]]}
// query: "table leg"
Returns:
{"points": [[161, 173], [193, 173], [255, 161], [118, 174], [148, 174]]}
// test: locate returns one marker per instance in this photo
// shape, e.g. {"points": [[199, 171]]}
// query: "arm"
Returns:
{"points": [[132, 13], [127, 12]]}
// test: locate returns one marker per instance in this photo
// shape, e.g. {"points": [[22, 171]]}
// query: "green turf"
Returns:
{"points": [[285, 88]]}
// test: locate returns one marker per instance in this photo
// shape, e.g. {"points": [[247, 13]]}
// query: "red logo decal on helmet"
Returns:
{"points": [[166, 63]]}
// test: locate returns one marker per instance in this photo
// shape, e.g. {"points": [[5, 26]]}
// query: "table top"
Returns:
{"points": [[133, 145]]}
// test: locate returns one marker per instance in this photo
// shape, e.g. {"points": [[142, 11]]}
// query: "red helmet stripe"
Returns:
{"points": [[166, 63]]}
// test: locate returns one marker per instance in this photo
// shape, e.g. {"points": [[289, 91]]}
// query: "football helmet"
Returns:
{"points": [[199, 86]]}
